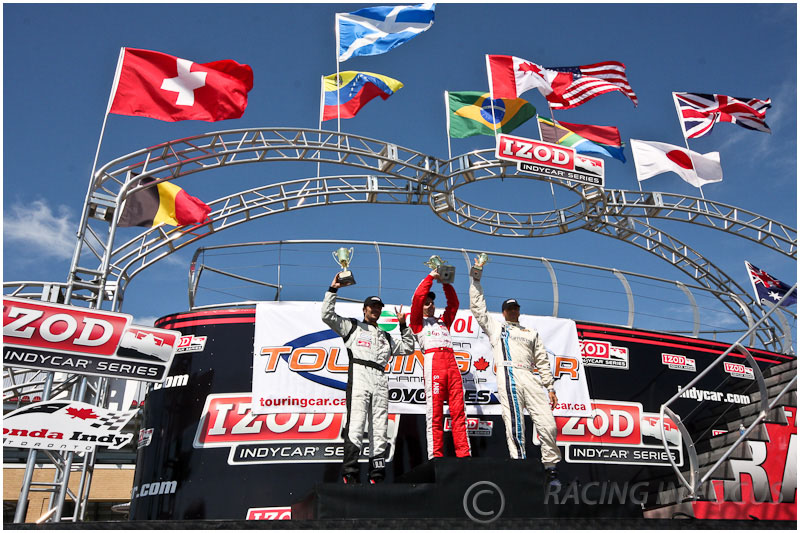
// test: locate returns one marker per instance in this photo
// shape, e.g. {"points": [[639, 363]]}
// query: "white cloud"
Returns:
{"points": [[45, 234], [145, 320]]}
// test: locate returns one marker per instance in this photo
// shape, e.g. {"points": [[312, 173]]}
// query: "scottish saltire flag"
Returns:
{"points": [[376, 30], [586, 142], [699, 112], [767, 288], [353, 91]]}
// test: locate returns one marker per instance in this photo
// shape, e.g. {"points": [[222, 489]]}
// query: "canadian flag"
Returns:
{"points": [[652, 158], [511, 76], [164, 87]]}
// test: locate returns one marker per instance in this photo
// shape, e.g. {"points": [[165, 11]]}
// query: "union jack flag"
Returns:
{"points": [[699, 112], [589, 81], [767, 288]]}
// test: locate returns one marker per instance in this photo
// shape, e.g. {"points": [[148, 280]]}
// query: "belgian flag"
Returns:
{"points": [[165, 203], [474, 113]]}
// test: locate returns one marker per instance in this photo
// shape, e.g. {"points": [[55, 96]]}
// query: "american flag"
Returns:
{"points": [[699, 112], [767, 288], [589, 81]]}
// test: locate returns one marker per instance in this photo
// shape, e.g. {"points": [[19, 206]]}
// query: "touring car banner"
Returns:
{"points": [[300, 365]]}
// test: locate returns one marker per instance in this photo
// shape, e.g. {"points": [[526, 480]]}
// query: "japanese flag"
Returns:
{"points": [[652, 158]]}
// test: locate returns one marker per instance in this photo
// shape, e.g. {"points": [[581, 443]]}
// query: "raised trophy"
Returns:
{"points": [[447, 273], [343, 257], [476, 271]]}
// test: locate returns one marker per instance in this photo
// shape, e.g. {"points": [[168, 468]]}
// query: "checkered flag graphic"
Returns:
{"points": [[112, 421]]}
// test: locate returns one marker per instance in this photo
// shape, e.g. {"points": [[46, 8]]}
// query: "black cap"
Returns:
{"points": [[511, 302], [431, 295], [372, 300]]}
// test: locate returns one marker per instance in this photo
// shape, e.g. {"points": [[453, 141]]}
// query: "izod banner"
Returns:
{"points": [[550, 160], [76, 340], [300, 365]]}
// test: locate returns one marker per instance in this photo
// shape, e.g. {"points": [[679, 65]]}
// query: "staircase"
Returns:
{"points": [[758, 480]]}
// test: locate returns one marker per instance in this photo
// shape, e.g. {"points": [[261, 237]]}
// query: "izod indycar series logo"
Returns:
{"points": [[551, 160], [191, 343], [228, 421], [618, 433], [603, 354], [738, 370], [475, 427], [269, 513], [65, 338], [678, 362]]}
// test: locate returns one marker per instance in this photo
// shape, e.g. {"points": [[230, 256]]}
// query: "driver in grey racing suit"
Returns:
{"points": [[518, 352], [370, 349]]}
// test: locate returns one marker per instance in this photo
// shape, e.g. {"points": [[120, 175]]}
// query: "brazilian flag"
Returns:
{"points": [[470, 113]]}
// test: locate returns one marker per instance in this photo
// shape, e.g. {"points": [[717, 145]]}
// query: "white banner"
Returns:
{"points": [[300, 365], [65, 425]]}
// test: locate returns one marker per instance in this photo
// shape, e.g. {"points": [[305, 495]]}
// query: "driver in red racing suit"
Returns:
{"points": [[442, 376]]}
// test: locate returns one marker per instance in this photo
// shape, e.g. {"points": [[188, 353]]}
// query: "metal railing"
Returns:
{"points": [[695, 482], [629, 311]]}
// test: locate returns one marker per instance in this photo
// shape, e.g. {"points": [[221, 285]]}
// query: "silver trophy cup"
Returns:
{"points": [[476, 271], [343, 257], [447, 273]]}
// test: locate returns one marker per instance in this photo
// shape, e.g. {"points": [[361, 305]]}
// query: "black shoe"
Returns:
{"points": [[350, 479], [375, 481], [551, 477]]}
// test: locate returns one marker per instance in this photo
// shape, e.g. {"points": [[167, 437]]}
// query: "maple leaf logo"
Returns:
{"points": [[530, 67], [83, 414], [481, 364]]}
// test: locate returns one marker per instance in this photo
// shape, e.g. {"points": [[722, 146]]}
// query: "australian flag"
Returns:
{"points": [[767, 288]]}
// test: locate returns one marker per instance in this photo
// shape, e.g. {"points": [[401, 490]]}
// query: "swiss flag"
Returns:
{"points": [[165, 87]]}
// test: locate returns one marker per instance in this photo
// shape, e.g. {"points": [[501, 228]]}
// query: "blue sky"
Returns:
{"points": [[59, 62]]}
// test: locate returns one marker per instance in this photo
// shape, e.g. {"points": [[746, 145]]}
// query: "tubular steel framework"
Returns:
{"points": [[386, 174]]}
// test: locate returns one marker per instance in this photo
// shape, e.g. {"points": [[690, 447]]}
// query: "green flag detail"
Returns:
{"points": [[470, 113]]}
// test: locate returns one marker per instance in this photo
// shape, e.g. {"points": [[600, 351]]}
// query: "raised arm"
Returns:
{"points": [[415, 315], [337, 323], [477, 304], [406, 344], [452, 305]]}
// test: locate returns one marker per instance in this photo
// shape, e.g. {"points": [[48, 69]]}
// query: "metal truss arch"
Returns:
{"points": [[154, 244], [595, 206]]}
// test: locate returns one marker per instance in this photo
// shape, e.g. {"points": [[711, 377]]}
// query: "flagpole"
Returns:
{"points": [[636, 171], [491, 96], [338, 79], [114, 84], [686, 142], [321, 112], [447, 129], [552, 190]]}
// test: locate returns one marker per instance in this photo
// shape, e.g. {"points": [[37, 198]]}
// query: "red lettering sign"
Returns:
{"points": [[530, 151], [610, 423], [61, 328], [229, 419]]}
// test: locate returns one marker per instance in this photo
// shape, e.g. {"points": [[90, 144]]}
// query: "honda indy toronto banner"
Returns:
{"points": [[63, 425], [77, 340], [300, 365]]}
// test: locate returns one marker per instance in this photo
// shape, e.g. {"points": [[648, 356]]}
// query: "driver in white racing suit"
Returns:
{"points": [[518, 352], [370, 349]]}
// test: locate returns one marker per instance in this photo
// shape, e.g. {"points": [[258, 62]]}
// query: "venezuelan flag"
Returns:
{"points": [[165, 203], [354, 91], [474, 113]]}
